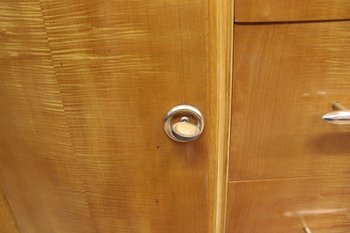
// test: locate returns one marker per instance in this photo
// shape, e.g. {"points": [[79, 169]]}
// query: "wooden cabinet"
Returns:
{"points": [[85, 86]]}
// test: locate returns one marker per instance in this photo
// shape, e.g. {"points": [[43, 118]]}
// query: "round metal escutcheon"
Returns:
{"points": [[184, 130]]}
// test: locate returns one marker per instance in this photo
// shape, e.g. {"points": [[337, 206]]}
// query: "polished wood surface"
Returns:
{"points": [[274, 206], [84, 88], [8, 223], [224, 58], [286, 78], [288, 168], [291, 10]]}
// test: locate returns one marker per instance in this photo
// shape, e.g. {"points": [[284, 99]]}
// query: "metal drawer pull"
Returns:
{"points": [[341, 115], [184, 123]]}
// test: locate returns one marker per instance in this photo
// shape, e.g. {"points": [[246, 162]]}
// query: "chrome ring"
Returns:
{"points": [[187, 110]]}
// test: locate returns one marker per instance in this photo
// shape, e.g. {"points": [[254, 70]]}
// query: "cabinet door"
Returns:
{"points": [[287, 165], [85, 85]]}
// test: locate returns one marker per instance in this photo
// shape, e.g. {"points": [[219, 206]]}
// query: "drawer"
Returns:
{"points": [[284, 206], [285, 78], [292, 10]]}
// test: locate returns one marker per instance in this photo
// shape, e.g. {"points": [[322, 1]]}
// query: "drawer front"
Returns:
{"points": [[286, 206], [285, 78], [292, 10]]}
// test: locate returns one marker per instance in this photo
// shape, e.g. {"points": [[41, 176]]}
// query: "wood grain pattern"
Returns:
{"points": [[84, 88], [40, 172], [8, 223], [292, 10], [275, 206], [224, 89], [286, 77]]}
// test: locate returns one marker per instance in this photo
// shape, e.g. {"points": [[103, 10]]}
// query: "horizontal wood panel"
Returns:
{"points": [[276, 206], [285, 78], [293, 10]]}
